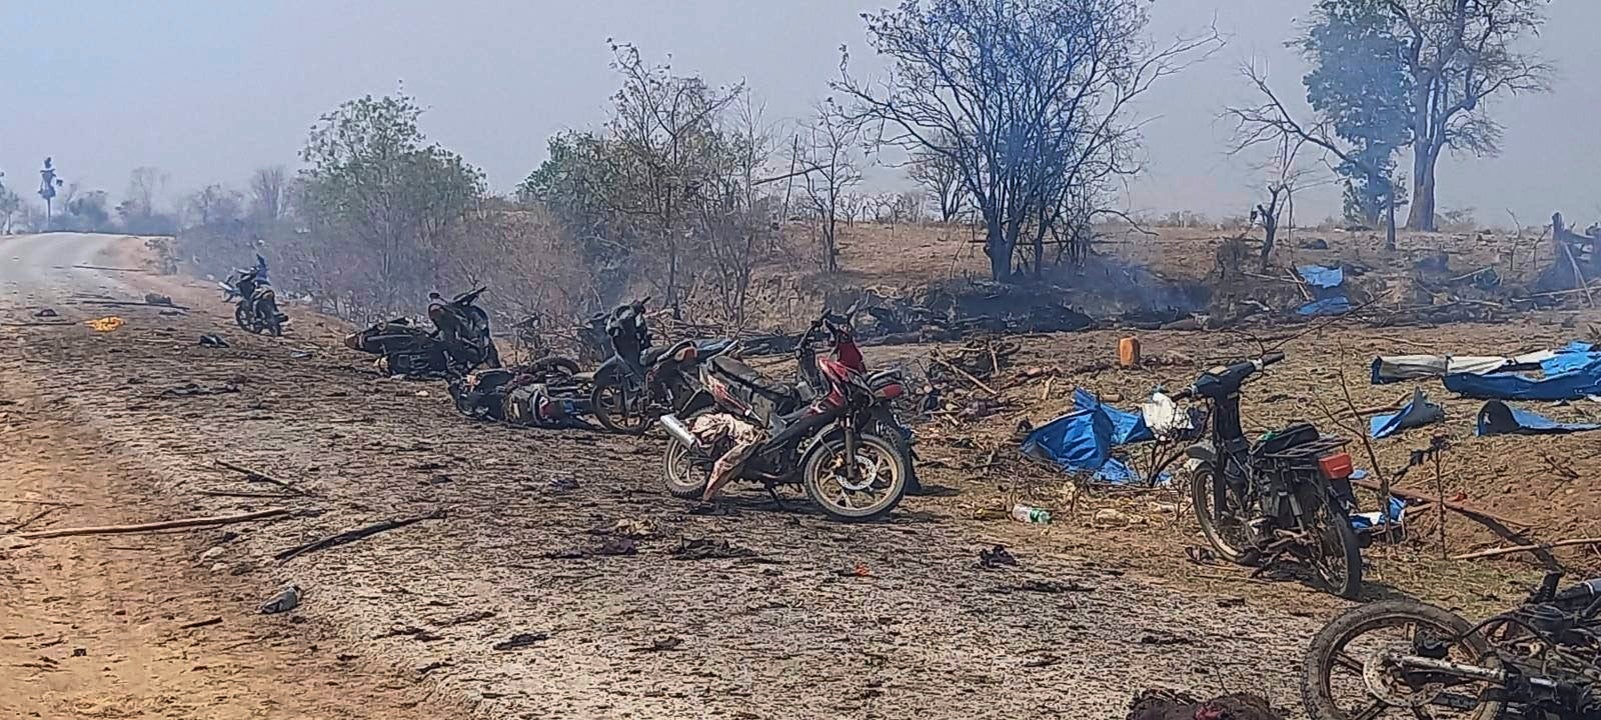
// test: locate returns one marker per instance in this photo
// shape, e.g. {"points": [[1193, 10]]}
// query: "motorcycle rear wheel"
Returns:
{"points": [[1336, 559], [618, 405], [1332, 652], [883, 469]]}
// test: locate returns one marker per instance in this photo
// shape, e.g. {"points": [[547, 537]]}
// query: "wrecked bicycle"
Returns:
{"points": [[1288, 494], [829, 445], [1538, 661]]}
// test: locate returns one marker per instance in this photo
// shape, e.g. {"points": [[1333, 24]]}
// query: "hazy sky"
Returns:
{"points": [[209, 89]]}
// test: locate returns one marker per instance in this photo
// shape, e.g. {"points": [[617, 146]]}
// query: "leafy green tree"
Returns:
{"points": [[1359, 82], [372, 180], [1455, 55]]}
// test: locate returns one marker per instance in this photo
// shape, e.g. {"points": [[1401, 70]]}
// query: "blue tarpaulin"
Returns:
{"points": [[1321, 277], [1573, 356], [1082, 440], [1417, 412], [1579, 377], [1372, 520], [1497, 418], [1328, 298]]}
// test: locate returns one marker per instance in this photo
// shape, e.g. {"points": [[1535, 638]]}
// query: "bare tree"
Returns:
{"points": [[1269, 123], [215, 204], [1025, 97], [145, 185], [269, 193], [825, 150], [941, 178]]}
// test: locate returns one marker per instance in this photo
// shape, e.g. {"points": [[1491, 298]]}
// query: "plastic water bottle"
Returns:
{"points": [[1033, 515]]}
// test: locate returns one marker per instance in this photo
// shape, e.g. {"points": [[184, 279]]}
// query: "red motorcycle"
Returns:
{"points": [[826, 441]]}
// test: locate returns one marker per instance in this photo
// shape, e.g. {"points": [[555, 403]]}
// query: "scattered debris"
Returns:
{"points": [[413, 632], [1200, 555], [105, 324], [472, 617], [300, 355], [1042, 660], [1111, 517], [46, 312], [351, 536], [213, 341], [708, 549], [665, 644], [1167, 704], [155, 299], [195, 389], [287, 599], [562, 483], [521, 640], [201, 623], [1159, 637], [995, 557], [80, 652], [1052, 587]]}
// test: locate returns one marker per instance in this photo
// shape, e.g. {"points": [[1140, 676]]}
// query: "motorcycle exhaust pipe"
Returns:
{"points": [[680, 431]]}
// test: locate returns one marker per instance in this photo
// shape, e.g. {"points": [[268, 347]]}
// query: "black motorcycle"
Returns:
{"points": [[256, 310], [640, 381], [1540, 660], [1289, 493], [463, 327]]}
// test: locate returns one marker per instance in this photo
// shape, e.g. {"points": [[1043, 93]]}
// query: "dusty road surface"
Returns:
{"points": [[499, 600]]}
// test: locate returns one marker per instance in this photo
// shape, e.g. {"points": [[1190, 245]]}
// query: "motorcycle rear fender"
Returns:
{"points": [[699, 401]]}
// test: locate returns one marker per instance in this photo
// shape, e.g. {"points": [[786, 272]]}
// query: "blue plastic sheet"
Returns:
{"points": [[1417, 412], [1573, 356], [1322, 277], [1338, 305], [1578, 379], [1372, 520], [1082, 440], [1498, 418]]}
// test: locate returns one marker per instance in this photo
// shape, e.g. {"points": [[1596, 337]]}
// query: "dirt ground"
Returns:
{"points": [[503, 605]]}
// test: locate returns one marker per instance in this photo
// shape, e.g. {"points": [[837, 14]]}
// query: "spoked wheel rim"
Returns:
{"points": [[1362, 685], [620, 404], [1223, 527], [1326, 555], [682, 474], [879, 483]]}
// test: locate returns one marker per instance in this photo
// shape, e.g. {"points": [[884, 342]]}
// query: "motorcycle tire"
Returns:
{"points": [[1345, 582], [241, 317], [1203, 480], [816, 465], [683, 480], [491, 355], [274, 326], [1317, 695], [614, 383], [553, 367]]}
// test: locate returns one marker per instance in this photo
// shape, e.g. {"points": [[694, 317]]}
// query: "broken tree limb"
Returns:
{"points": [[258, 476], [231, 493], [1578, 275], [131, 303], [968, 376], [1527, 548], [153, 526], [36, 518], [350, 536], [1471, 512]]}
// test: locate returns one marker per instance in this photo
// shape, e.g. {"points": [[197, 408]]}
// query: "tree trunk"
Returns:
{"points": [[999, 252], [1421, 215], [1389, 223]]}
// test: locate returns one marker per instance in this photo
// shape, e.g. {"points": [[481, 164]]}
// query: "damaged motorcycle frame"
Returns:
{"points": [[459, 342]]}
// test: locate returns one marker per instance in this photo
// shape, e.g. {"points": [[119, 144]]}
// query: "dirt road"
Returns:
{"points": [[503, 603]]}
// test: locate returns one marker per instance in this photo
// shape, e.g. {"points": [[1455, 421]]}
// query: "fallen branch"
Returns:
{"points": [[1474, 513], [200, 623], [350, 536], [969, 377], [153, 526], [131, 303], [36, 518], [232, 493], [257, 476], [1527, 548]]}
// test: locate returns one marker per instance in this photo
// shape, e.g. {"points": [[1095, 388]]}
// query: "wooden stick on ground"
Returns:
{"points": [[1471, 512], [36, 518], [149, 527], [350, 536], [258, 476], [970, 378], [1578, 276], [1526, 548]]}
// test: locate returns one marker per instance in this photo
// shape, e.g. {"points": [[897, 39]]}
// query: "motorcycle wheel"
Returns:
{"points": [[1337, 683], [241, 317], [273, 326], [883, 469], [1223, 528], [554, 367], [491, 354], [1336, 558], [684, 479], [618, 405]]}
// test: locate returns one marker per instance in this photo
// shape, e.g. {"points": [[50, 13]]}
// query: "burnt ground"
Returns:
{"points": [[820, 620]]}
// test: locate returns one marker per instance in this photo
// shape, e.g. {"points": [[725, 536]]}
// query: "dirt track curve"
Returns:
{"points": [[822, 620]]}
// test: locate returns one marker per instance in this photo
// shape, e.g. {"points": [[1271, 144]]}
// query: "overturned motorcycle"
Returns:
{"points": [[541, 394], [829, 445], [1406, 659], [459, 343]]}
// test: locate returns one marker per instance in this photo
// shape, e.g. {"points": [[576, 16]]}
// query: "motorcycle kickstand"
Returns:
{"points": [[772, 492]]}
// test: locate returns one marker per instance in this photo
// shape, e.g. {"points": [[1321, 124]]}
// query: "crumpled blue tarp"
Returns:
{"points": [[1573, 356], [1322, 277], [1417, 412], [1498, 418], [1328, 300], [1578, 376], [1082, 440], [1372, 520]]}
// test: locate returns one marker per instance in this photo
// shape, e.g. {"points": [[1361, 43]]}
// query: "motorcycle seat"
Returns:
{"points": [[1292, 436], [649, 356], [709, 348], [749, 377]]}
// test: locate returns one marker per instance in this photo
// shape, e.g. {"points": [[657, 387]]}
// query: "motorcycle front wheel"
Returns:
{"points": [[879, 485], [618, 404], [1345, 675], [1219, 512], [241, 317]]}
